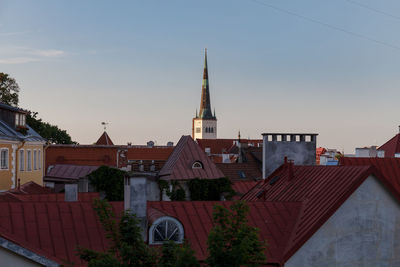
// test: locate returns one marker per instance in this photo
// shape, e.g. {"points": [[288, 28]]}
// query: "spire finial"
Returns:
{"points": [[239, 135], [104, 125]]}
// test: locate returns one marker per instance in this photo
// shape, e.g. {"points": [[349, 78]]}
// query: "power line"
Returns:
{"points": [[327, 25], [373, 9]]}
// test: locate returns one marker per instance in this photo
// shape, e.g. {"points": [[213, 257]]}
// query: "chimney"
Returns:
{"points": [[71, 192], [290, 170], [135, 200]]}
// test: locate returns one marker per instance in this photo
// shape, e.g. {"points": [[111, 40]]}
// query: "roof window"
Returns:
{"points": [[197, 165], [166, 229]]}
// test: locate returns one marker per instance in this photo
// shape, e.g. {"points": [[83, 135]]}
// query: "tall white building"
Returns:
{"points": [[204, 125]]}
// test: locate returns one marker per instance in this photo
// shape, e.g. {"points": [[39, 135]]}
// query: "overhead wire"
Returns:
{"points": [[373, 9], [327, 25]]}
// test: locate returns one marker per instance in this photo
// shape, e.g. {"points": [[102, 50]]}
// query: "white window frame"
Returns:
{"points": [[39, 160], [29, 160], [21, 160], [35, 159], [7, 161], [197, 165], [162, 220]]}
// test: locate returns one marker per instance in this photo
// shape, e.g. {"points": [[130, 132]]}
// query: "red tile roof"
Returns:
{"points": [[150, 153], [66, 171], [274, 219], [391, 147], [220, 146], [179, 164], [104, 139], [233, 170], [321, 189], [31, 188]]}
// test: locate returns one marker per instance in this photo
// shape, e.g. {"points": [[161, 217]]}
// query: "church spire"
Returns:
{"points": [[205, 105]]}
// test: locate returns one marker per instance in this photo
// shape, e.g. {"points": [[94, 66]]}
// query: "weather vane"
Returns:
{"points": [[105, 125]]}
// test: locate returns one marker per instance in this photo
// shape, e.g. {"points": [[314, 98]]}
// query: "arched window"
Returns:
{"points": [[166, 229], [197, 165]]}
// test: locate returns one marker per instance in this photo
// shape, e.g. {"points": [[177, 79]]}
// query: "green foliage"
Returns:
{"points": [[177, 255], [127, 246], [212, 190], [50, 132], [176, 194], [9, 90], [232, 242], [109, 180]]}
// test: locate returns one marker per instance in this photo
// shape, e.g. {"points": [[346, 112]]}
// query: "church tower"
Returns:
{"points": [[204, 125]]}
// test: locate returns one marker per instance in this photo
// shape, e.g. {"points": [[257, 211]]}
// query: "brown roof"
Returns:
{"points": [[240, 171], [104, 139], [66, 171], [220, 146], [179, 163]]}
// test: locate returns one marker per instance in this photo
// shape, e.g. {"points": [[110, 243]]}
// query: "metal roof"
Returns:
{"points": [[179, 163], [392, 146], [321, 189], [8, 133], [66, 171]]}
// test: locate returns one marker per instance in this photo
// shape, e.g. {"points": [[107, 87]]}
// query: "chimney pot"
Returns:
{"points": [[71, 192]]}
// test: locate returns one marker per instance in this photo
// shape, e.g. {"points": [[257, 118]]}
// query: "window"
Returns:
{"points": [[34, 159], [29, 160], [39, 161], [17, 119], [197, 165], [20, 119], [198, 130], [166, 229], [21, 160], [4, 159]]}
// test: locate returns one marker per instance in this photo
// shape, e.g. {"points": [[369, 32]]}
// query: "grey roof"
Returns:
{"points": [[8, 133], [11, 108]]}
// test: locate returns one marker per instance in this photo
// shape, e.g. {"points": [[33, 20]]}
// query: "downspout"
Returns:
{"points": [[17, 161], [44, 167]]}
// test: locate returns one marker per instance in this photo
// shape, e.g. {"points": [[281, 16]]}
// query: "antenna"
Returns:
{"points": [[105, 125]]}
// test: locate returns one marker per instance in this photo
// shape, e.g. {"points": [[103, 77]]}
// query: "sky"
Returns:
{"points": [[327, 67]]}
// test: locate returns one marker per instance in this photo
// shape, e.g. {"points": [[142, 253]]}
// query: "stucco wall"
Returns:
{"points": [[32, 175], [6, 175], [274, 152], [364, 231], [10, 259]]}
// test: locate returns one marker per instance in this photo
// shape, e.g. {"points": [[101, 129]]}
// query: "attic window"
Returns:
{"points": [[242, 174], [166, 229], [20, 120], [197, 165]]}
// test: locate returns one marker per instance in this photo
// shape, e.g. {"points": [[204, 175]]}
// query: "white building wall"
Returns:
{"points": [[364, 231], [200, 126]]}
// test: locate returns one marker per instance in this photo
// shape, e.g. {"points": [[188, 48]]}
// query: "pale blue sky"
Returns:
{"points": [[138, 66]]}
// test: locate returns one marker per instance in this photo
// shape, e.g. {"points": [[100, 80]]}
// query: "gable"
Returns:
{"points": [[363, 231]]}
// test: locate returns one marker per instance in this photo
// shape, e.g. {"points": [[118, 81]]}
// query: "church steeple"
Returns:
{"points": [[204, 125], [205, 105]]}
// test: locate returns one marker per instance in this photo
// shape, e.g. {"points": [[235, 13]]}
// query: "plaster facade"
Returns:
{"points": [[364, 231], [9, 176], [200, 126], [300, 148]]}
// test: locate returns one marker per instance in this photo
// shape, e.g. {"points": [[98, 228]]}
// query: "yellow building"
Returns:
{"points": [[21, 149]]}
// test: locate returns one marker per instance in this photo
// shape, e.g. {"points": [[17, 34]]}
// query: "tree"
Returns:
{"points": [[9, 90], [177, 255], [109, 180], [50, 132], [127, 247], [232, 242]]}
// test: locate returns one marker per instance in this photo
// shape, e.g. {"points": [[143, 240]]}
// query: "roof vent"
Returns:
{"points": [[150, 144], [170, 143], [274, 180], [260, 194]]}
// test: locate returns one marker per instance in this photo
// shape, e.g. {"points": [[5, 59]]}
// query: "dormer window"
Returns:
{"points": [[166, 229], [20, 120], [197, 165]]}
